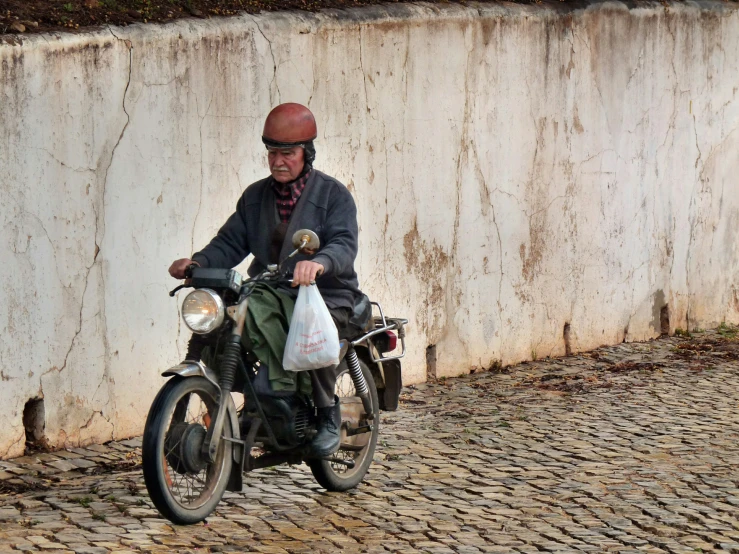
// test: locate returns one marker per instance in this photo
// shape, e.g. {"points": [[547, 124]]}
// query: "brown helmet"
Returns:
{"points": [[289, 125]]}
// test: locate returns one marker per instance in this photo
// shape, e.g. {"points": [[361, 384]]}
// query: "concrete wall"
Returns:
{"points": [[516, 169]]}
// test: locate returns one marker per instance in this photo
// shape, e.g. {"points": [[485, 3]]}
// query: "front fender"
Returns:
{"points": [[191, 368]]}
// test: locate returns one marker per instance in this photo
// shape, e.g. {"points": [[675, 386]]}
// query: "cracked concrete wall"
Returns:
{"points": [[516, 169]]}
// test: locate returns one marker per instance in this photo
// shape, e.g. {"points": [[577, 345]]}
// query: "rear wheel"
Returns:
{"points": [[359, 448], [184, 488]]}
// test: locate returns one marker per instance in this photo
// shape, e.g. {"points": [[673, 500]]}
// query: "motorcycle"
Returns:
{"points": [[197, 444]]}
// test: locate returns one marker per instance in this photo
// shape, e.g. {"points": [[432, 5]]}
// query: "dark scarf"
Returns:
{"points": [[287, 196]]}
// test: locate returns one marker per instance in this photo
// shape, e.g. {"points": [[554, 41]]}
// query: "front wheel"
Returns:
{"points": [[184, 488], [359, 448]]}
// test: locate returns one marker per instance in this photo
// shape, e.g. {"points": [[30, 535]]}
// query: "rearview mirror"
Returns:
{"points": [[305, 239]]}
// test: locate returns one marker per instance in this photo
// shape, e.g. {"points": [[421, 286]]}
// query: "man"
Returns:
{"points": [[296, 196]]}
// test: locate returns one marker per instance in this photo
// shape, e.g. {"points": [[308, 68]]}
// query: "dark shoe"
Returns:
{"points": [[328, 436]]}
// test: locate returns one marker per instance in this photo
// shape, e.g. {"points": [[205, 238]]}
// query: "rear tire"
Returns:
{"points": [[181, 485], [360, 448]]}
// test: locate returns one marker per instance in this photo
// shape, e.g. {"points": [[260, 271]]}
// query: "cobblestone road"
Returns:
{"points": [[628, 449]]}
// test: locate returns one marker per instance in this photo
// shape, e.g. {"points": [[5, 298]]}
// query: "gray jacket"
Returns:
{"points": [[325, 206]]}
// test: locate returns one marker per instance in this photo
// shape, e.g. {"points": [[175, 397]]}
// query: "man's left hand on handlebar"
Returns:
{"points": [[305, 272]]}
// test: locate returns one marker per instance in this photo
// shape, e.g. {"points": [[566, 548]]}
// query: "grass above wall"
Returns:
{"points": [[33, 16]]}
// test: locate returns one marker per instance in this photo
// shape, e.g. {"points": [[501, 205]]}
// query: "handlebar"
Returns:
{"points": [[265, 276]]}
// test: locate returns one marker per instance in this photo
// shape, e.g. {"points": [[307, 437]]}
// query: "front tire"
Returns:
{"points": [[181, 485], [359, 448]]}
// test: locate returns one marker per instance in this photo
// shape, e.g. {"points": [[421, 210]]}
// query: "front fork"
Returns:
{"points": [[229, 363]]}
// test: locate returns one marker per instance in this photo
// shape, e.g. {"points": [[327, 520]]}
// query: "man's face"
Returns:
{"points": [[285, 163]]}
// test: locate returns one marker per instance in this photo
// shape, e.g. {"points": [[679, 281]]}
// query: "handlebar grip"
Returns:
{"points": [[188, 270]]}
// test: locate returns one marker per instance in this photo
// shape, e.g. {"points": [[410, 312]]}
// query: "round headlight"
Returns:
{"points": [[203, 311]]}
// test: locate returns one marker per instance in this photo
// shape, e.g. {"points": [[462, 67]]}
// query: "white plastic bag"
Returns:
{"points": [[312, 341]]}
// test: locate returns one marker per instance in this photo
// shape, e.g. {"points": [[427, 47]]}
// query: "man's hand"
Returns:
{"points": [[305, 272], [178, 267]]}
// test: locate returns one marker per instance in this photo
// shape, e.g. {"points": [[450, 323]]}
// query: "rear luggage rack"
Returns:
{"points": [[383, 324]]}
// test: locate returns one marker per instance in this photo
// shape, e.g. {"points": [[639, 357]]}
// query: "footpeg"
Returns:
{"points": [[348, 463], [351, 431]]}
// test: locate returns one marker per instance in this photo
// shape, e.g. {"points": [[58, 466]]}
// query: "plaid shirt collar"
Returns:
{"points": [[287, 195]]}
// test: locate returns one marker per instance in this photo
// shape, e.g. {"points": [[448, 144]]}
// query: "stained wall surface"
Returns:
{"points": [[529, 182]]}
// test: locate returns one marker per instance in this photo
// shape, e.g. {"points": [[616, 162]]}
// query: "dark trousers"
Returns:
{"points": [[324, 384]]}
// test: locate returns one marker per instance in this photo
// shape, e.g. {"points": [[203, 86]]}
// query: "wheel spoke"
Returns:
{"points": [[173, 449]]}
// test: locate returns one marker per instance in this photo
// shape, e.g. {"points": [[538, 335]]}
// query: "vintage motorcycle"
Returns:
{"points": [[197, 444]]}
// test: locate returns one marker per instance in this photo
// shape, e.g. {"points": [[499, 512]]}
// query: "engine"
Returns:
{"points": [[290, 417]]}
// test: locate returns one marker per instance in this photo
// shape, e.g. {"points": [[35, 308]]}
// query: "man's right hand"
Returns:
{"points": [[178, 267]]}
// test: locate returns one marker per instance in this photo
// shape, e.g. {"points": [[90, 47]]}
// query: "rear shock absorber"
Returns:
{"points": [[360, 385]]}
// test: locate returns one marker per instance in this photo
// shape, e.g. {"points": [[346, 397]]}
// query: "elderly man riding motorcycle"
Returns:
{"points": [[296, 196]]}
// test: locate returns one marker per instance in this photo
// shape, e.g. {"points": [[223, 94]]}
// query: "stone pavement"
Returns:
{"points": [[632, 448]]}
